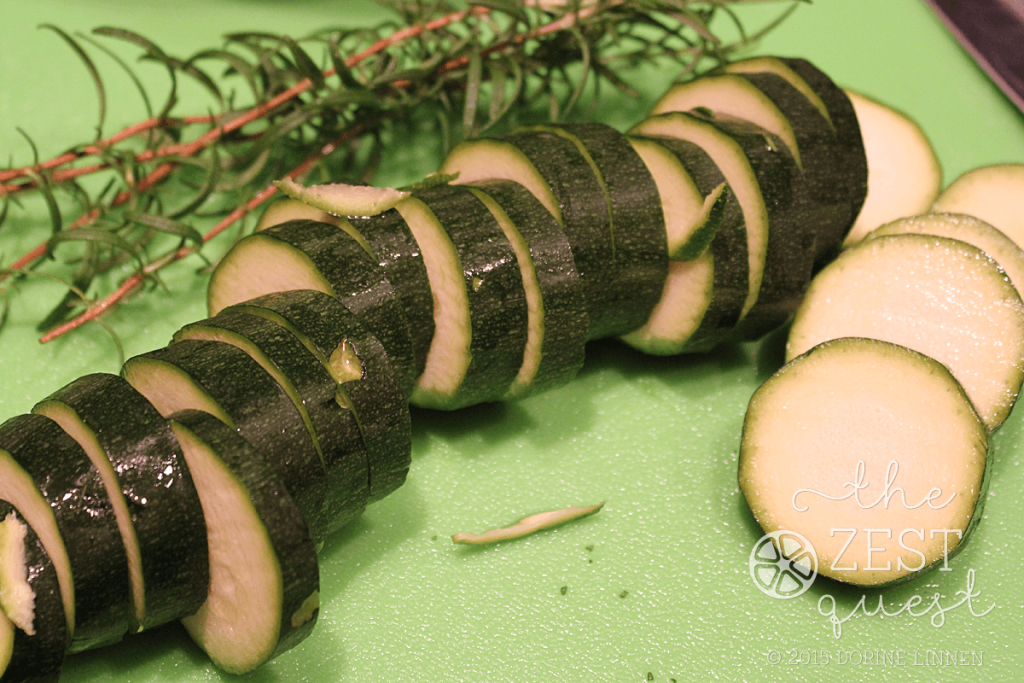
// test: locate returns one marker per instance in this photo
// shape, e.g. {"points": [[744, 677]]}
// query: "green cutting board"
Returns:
{"points": [[654, 587]]}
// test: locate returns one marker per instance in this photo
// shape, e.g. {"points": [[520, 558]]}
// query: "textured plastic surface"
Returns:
{"points": [[658, 581]]}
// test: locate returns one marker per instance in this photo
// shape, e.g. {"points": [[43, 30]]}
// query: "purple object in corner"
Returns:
{"points": [[993, 32]]}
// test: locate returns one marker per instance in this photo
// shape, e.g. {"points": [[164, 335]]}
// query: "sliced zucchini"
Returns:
{"points": [[310, 255], [264, 578], [357, 361], [828, 436], [779, 67], [974, 231], [555, 171], [640, 254], [32, 650], [288, 209], [995, 194], [480, 309], [390, 241], [904, 176], [47, 476], [704, 296], [312, 389], [941, 297], [223, 380], [557, 312], [151, 492]]}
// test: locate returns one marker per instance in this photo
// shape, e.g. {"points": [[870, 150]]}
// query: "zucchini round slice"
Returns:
{"points": [[941, 297], [47, 476], [872, 452], [311, 255], [151, 492], [995, 194], [904, 176], [223, 380], [264, 577], [313, 390], [34, 649], [557, 313], [357, 361], [480, 312]]}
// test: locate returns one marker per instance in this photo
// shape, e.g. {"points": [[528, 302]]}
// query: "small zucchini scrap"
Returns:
{"points": [[527, 525]]}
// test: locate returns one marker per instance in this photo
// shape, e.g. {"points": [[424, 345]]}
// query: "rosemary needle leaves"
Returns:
{"points": [[527, 525]]}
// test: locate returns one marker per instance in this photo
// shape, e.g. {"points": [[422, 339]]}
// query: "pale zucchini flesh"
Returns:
{"points": [[995, 194]]}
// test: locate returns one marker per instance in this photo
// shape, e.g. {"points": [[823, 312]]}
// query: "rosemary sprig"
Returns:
{"points": [[453, 72]]}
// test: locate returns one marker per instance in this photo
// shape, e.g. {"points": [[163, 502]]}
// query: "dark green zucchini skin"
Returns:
{"points": [[38, 658], [261, 411], [402, 260], [71, 484], [728, 247], [380, 407], [565, 306], [494, 285], [789, 259], [829, 180], [847, 129], [639, 263], [157, 489], [285, 524], [336, 436], [359, 282]]}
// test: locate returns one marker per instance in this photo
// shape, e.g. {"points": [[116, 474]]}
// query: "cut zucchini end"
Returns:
{"points": [[865, 416]]}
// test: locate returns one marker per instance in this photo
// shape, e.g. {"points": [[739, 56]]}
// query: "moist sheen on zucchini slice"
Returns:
{"points": [[311, 255], [264, 577], [314, 391], [557, 313], [636, 219], [904, 176], [555, 171], [480, 309], [151, 491], [223, 380], [824, 435], [705, 292], [358, 362], [47, 476], [941, 297], [995, 194], [34, 649]]}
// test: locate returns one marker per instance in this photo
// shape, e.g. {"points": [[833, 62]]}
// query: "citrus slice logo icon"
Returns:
{"points": [[783, 564]]}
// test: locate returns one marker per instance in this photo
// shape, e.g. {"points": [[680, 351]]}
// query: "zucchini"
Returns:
{"points": [[151, 492], [904, 176], [557, 312], [389, 240], [480, 312], [313, 391], [223, 380], [287, 209], [860, 413], [555, 171], [995, 194], [47, 476], [310, 255], [704, 294], [264, 577], [955, 305], [32, 650], [358, 362]]}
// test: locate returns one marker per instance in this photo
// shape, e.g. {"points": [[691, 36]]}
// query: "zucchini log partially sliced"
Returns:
{"points": [[151, 492], [47, 476], [33, 648], [264, 578], [367, 386], [939, 296], [313, 391], [836, 429]]}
